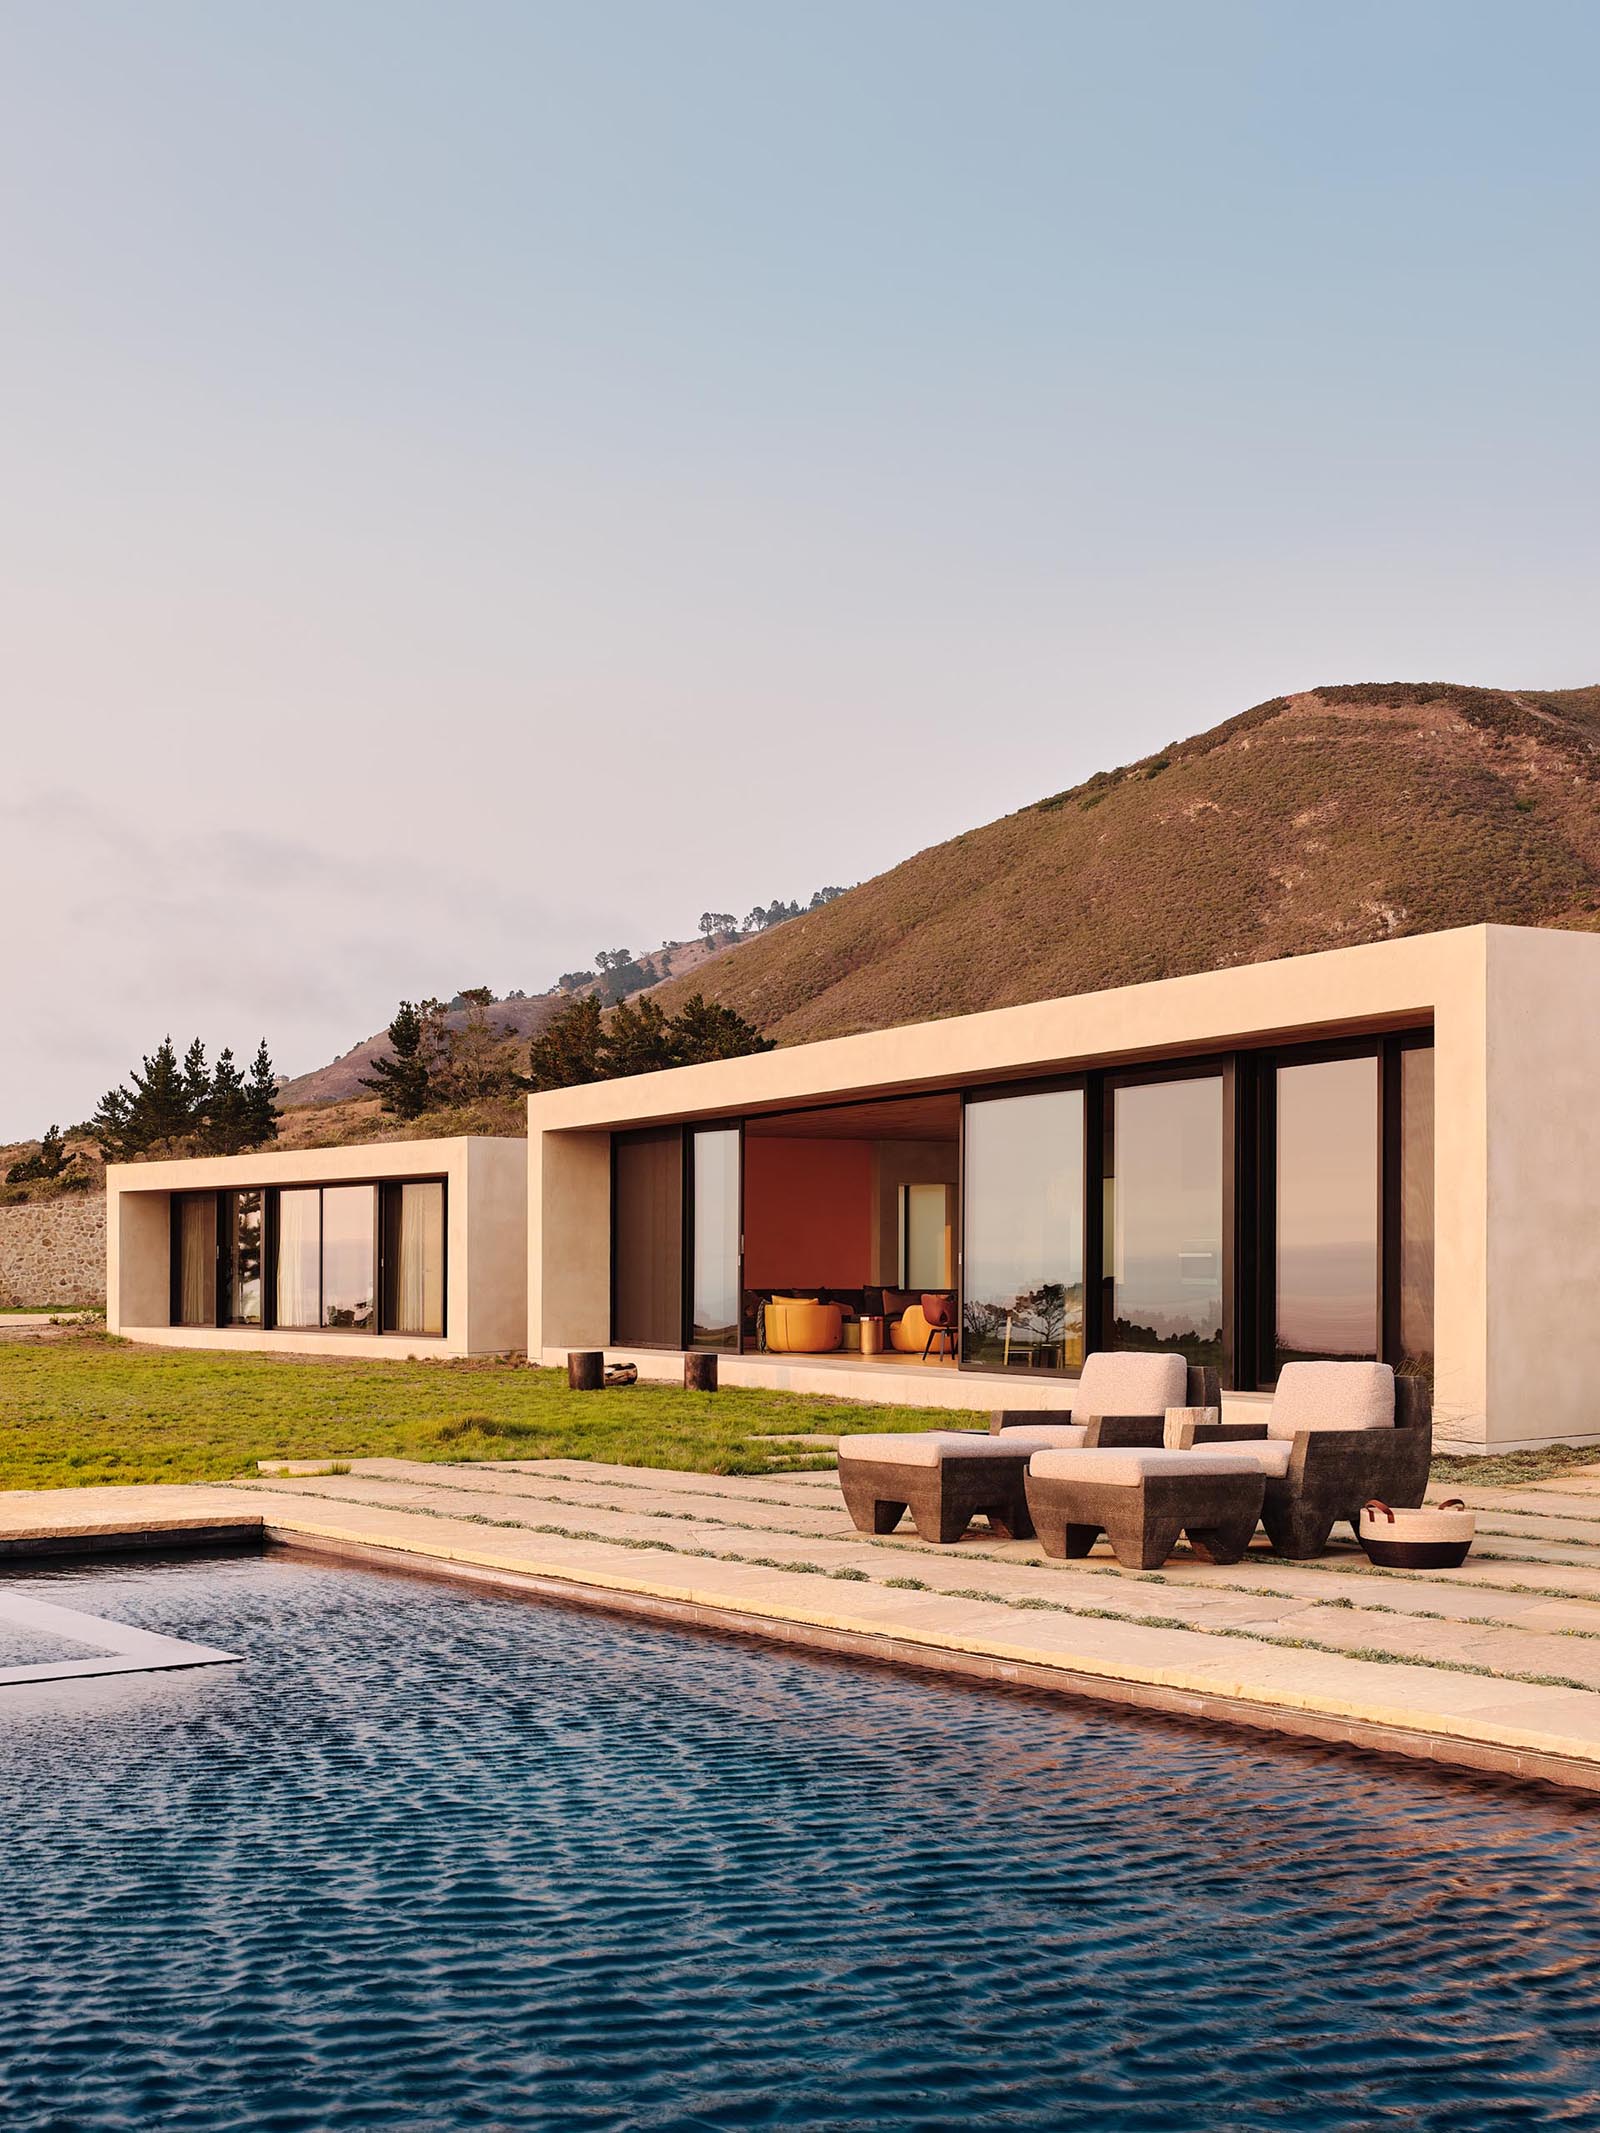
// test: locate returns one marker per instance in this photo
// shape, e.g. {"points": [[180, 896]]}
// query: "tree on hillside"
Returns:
{"points": [[197, 1085], [581, 1044], [168, 1109], [476, 1060], [821, 897], [705, 1029], [639, 1039], [569, 1049], [50, 1162], [261, 1099], [714, 922], [227, 1128], [400, 1076]]}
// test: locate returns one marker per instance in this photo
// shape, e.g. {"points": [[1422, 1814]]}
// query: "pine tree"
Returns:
{"points": [[196, 1084], [401, 1079], [261, 1099], [639, 1039], [704, 1029], [160, 1100], [112, 1126], [227, 1126], [571, 1048]]}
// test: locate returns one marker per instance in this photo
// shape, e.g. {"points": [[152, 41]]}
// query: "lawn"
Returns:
{"points": [[92, 1408]]}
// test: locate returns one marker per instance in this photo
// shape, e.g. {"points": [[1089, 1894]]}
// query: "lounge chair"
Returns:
{"points": [[946, 1477], [1121, 1398], [1339, 1434]]}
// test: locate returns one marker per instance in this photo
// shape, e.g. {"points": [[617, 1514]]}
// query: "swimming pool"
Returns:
{"points": [[434, 1858]]}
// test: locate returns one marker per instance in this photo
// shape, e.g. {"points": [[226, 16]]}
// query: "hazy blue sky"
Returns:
{"points": [[482, 482]]}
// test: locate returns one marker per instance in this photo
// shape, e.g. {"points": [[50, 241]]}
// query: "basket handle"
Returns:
{"points": [[1376, 1505], [1451, 1503]]}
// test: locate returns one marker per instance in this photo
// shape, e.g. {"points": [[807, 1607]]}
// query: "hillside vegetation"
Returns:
{"points": [[1313, 821]]}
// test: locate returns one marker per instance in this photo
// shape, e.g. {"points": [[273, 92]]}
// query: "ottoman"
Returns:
{"points": [[945, 1478], [1142, 1500]]}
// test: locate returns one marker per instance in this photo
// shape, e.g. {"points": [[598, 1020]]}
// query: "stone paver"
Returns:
{"points": [[1442, 1665]]}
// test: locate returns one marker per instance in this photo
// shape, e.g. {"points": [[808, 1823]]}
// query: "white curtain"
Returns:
{"points": [[299, 1258], [417, 1259]]}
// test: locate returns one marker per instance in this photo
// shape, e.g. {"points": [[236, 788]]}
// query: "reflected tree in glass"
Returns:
{"points": [[1022, 1266]]}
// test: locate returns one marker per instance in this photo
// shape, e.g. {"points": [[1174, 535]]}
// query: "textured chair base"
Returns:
{"points": [[943, 1500], [1143, 1520]]}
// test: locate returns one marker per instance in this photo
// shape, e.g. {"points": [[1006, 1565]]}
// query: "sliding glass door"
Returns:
{"points": [[1166, 1232], [412, 1256], [1023, 1232], [647, 1238], [194, 1259], [714, 1237], [1328, 1215]]}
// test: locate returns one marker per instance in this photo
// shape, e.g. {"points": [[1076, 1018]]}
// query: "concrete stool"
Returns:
{"points": [[1142, 1500]]}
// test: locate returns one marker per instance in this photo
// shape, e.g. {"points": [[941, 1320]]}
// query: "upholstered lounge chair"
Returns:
{"points": [[946, 1477], [1338, 1435], [1122, 1398]]}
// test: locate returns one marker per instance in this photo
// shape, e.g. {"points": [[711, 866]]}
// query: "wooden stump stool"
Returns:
{"points": [[586, 1369], [700, 1371]]}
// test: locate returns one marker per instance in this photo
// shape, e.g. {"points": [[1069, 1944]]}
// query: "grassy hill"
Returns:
{"points": [[1312, 821]]}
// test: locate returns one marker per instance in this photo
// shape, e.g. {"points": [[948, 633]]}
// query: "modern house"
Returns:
{"points": [[1382, 1151], [402, 1248]]}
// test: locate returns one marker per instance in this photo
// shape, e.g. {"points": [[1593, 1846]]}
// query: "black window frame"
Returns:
{"points": [[268, 1322]]}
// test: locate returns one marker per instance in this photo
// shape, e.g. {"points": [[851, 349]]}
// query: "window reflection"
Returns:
{"points": [[1164, 1240], [1022, 1272], [349, 1254], [246, 1256], [1416, 1210], [716, 1239], [1327, 1210]]}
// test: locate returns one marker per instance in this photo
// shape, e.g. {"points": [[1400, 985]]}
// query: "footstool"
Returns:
{"points": [[1142, 1500], [944, 1477]]}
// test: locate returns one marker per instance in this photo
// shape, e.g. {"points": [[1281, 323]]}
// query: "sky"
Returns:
{"points": [[482, 483]]}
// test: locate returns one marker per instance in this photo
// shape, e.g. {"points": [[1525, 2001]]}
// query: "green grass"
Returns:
{"points": [[1508, 1470], [92, 1408]]}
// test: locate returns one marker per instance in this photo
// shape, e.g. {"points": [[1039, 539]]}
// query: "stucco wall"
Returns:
{"points": [[54, 1251]]}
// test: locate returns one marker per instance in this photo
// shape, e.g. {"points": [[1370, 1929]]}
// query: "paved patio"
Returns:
{"points": [[1495, 1666]]}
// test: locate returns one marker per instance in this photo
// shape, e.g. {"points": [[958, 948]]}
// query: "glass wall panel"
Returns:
{"points": [[349, 1257], [195, 1259], [1416, 1210], [1327, 1220], [1022, 1267], [246, 1242], [715, 1321], [647, 1240], [299, 1284], [413, 1257], [1164, 1217]]}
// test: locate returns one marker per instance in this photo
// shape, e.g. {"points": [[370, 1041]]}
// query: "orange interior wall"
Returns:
{"points": [[808, 1207]]}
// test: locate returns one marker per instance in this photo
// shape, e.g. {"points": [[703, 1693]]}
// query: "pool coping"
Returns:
{"points": [[1515, 1738], [878, 1647]]}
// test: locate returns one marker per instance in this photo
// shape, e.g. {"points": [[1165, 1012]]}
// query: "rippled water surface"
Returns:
{"points": [[431, 1859]]}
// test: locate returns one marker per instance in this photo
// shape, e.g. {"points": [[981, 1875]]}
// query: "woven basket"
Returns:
{"points": [[1436, 1537]]}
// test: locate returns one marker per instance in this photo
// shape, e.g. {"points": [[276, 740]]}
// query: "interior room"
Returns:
{"points": [[851, 1219]]}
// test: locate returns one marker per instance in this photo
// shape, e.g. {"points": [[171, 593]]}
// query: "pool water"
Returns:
{"points": [[431, 1858]]}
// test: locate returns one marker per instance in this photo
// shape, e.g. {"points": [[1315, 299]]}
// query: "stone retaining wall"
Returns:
{"points": [[54, 1251]]}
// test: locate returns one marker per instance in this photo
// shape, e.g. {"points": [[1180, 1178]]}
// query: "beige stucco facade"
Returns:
{"points": [[1516, 1020], [486, 1243]]}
